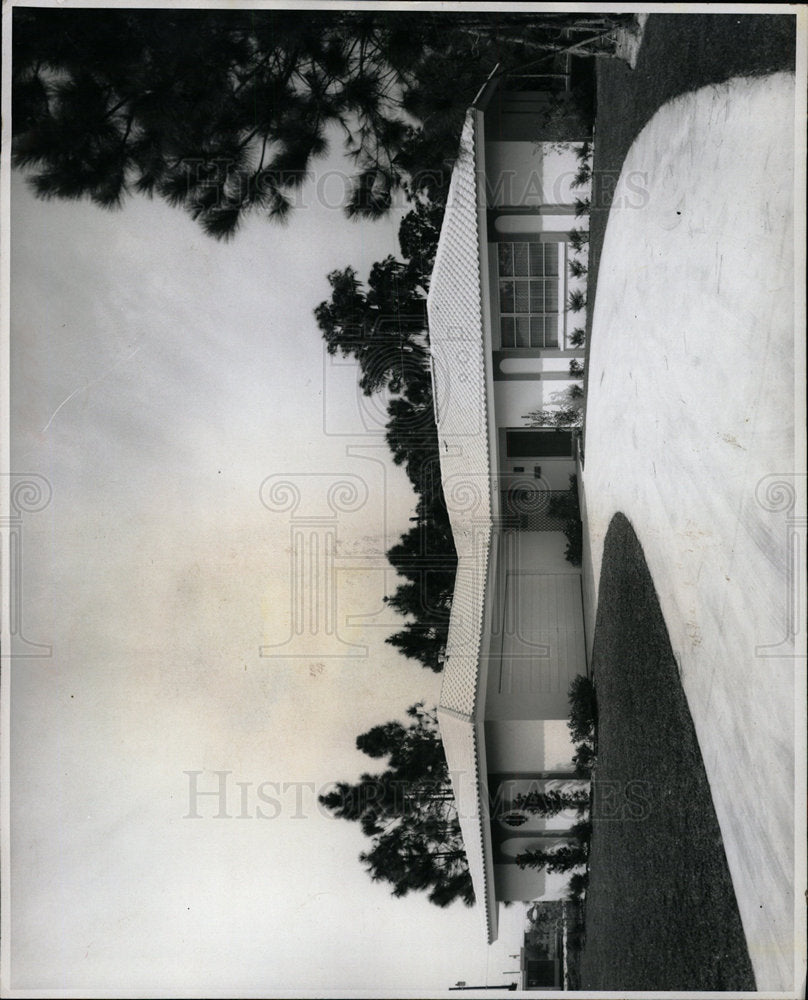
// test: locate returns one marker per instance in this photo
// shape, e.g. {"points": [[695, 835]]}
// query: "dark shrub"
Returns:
{"points": [[584, 760], [579, 882], [574, 551], [583, 710]]}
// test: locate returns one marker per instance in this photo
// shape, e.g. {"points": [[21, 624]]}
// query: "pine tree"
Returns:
{"points": [[407, 811], [223, 112]]}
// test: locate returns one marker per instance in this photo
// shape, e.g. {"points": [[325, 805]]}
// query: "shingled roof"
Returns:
{"points": [[459, 375]]}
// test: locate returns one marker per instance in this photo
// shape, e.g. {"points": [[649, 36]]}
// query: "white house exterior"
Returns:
{"points": [[500, 348]]}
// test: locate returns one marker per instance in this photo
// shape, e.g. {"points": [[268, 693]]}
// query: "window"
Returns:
{"points": [[538, 444], [528, 294]]}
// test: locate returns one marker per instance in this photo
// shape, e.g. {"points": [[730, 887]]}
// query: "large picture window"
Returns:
{"points": [[528, 294]]}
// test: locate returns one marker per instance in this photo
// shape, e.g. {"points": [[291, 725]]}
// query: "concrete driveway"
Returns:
{"points": [[690, 433]]}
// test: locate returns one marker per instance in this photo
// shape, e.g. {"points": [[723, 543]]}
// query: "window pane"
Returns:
{"points": [[522, 331], [506, 296], [507, 331], [551, 295], [522, 304], [506, 258], [550, 258], [537, 295], [537, 259], [520, 258], [545, 331]]}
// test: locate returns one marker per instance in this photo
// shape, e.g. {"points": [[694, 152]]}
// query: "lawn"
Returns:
{"points": [[679, 53], [660, 910]]}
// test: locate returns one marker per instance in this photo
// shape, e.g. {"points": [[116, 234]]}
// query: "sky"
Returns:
{"points": [[170, 394]]}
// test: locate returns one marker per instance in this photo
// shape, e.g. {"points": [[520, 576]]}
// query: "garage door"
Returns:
{"points": [[543, 636]]}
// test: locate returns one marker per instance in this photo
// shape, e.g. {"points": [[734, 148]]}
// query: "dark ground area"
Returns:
{"points": [[661, 912], [679, 53]]}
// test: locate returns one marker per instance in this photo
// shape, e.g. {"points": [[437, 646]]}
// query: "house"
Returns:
{"points": [[541, 957], [501, 348]]}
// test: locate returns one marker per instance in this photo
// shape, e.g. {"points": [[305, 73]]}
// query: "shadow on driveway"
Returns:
{"points": [[661, 912]]}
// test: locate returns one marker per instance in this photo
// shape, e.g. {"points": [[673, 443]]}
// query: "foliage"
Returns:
{"points": [[380, 327], [551, 802], [567, 411], [561, 859], [576, 301], [566, 505], [583, 709], [578, 337], [584, 760], [582, 723], [577, 269], [578, 239], [418, 235], [574, 549], [582, 206], [543, 912], [223, 112], [407, 811], [384, 329], [576, 369], [577, 885], [583, 175]]}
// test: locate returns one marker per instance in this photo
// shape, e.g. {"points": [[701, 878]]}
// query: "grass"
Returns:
{"points": [[661, 912], [679, 53]]}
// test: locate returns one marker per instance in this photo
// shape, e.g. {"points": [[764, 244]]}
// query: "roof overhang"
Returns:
{"points": [[460, 344]]}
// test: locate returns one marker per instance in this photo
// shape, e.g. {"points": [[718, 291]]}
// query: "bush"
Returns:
{"points": [[579, 239], [578, 337], [584, 760], [583, 176], [582, 832], [582, 206], [574, 533], [565, 505], [583, 710], [577, 268], [579, 883], [577, 301], [562, 859]]}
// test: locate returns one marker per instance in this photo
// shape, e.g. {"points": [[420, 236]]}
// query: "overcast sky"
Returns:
{"points": [[158, 380]]}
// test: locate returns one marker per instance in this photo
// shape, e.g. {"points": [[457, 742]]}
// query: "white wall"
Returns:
{"points": [[530, 173], [543, 551], [514, 745], [514, 883], [558, 746], [515, 398], [528, 745]]}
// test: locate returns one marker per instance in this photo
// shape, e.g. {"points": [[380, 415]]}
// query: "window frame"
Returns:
{"points": [[547, 337]]}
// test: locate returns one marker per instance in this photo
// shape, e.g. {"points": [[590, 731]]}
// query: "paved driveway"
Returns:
{"points": [[690, 433]]}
